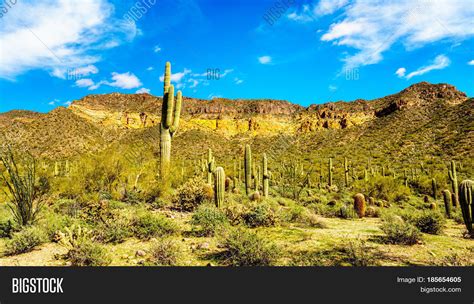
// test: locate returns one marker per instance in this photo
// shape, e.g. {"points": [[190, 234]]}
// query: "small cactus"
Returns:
{"points": [[330, 168], [359, 204], [447, 202], [248, 169], [219, 186], [434, 188], [266, 176], [346, 172], [466, 201]]}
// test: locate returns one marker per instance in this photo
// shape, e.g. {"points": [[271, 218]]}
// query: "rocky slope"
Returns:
{"points": [[437, 116]]}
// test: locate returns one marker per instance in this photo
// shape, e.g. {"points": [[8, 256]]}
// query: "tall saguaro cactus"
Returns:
{"points": [[434, 188], [346, 172], [248, 169], [330, 172], [266, 176], [466, 201], [454, 182], [210, 167], [170, 113], [219, 186]]}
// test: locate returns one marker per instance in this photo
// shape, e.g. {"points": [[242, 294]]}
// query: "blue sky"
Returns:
{"points": [[55, 51]]}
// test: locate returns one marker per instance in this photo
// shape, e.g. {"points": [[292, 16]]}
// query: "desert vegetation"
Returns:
{"points": [[259, 203]]}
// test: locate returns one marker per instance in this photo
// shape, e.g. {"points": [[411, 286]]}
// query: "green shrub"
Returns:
{"points": [[398, 231], [164, 252], [347, 212], [208, 218], [88, 253], [25, 240], [309, 258], [260, 215], [70, 207], [146, 225], [6, 229], [114, 232], [301, 215], [359, 253], [385, 188], [247, 248], [431, 222], [190, 195], [53, 223], [82, 251]]}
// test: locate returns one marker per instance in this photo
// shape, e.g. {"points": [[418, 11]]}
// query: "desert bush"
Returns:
{"points": [[6, 229], [190, 195], [385, 188], [26, 195], [247, 248], [25, 240], [259, 215], [69, 207], [427, 221], [234, 213], [346, 212], [146, 225], [88, 253], [359, 253], [207, 219], [398, 231], [301, 215], [114, 232], [309, 258], [53, 223], [82, 250], [164, 252]]}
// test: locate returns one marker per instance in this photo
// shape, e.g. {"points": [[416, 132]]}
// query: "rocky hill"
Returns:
{"points": [[434, 118]]}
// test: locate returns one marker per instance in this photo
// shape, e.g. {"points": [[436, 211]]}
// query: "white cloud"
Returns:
{"points": [[226, 72], [439, 63], [157, 49], [304, 15], [326, 7], [149, 68], [238, 81], [401, 72], [84, 83], [143, 90], [265, 59], [67, 103], [54, 102], [86, 70], [194, 83], [471, 62], [58, 35], [124, 81], [372, 27], [332, 88]]}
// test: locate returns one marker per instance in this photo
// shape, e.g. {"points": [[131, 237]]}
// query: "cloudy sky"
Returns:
{"points": [[314, 51]]}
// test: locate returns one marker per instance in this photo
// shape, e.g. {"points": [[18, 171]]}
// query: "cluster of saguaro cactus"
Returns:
{"points": [[248, 169], [454, 182], [170, 113], [466, 201], [219, 186], [330, 171]]}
